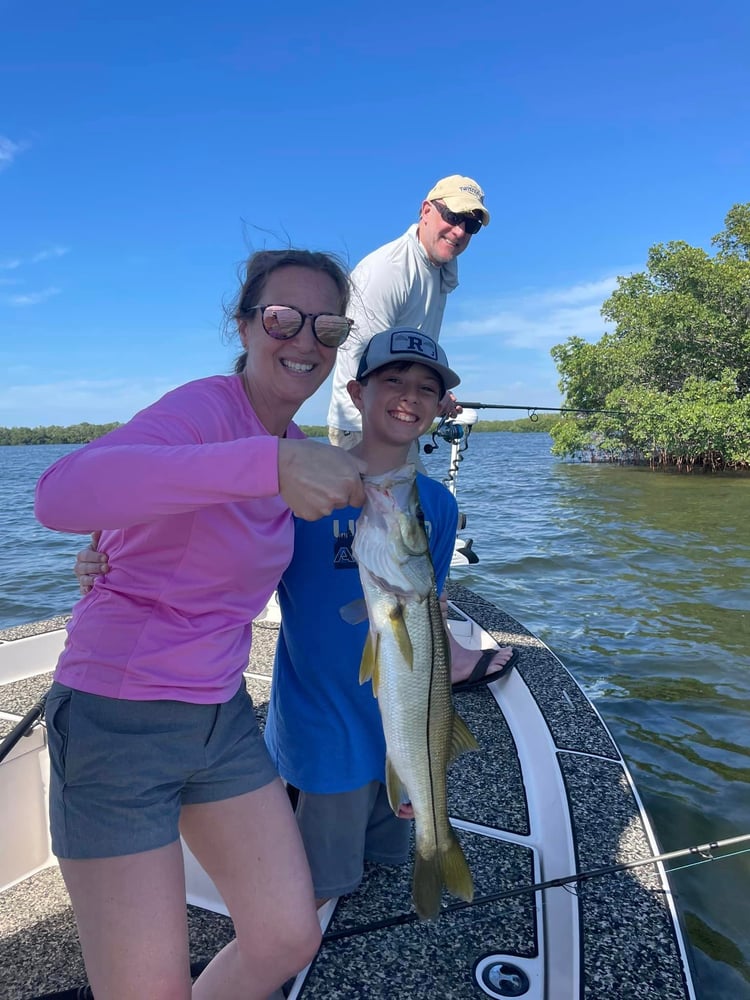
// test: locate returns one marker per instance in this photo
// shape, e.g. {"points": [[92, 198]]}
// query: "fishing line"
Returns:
{"points": [[705, 861]]}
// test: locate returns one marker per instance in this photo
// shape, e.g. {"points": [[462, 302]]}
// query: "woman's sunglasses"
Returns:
{"points": [[471, 223], [285, 322]]}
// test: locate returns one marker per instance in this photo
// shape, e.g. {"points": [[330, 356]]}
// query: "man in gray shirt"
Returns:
{"points": [[406, 283]]}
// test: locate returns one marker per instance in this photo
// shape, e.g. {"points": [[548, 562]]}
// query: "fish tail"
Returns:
{"points": [[427, 884], [447, 867]]}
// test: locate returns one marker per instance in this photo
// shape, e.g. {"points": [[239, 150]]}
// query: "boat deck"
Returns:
{"points": [[614, 936]]}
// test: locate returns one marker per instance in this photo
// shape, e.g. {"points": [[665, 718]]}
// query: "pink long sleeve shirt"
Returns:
{"points": [[197, 535]]}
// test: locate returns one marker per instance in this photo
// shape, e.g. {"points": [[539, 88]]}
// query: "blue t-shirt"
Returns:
{"points": [[323, 731]]}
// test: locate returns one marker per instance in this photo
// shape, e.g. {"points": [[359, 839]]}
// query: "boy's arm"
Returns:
{"points": [[443, 517]]}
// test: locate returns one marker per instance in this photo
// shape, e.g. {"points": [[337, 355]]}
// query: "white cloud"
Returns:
{"points": [[515, 367], [539, 318], [50, 254], [14, 263], [9, 151], [585, 292], [75, 401], [33, 298]]}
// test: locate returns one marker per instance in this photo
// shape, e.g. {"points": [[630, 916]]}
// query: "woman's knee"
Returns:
{"points": [[286, 947], [300, 939], [309, 942]]}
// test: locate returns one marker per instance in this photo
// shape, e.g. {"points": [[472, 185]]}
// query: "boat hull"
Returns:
{"points": [[548, 795]]}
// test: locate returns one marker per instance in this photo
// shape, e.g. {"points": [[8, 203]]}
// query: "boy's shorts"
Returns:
{"points": [[121, 770], [344, 439], [341, 831]]}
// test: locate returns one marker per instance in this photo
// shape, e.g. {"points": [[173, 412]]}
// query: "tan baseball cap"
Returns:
{"points": [[460, 194]]}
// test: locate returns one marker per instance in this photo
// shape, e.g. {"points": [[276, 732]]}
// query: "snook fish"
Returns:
{"points": [[407, 657]]}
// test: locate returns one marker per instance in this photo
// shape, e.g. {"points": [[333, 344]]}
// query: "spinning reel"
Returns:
{"points": [[454, 430]]}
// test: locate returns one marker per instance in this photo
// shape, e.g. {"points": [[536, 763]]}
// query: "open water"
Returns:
{"points": [[638, 580]]}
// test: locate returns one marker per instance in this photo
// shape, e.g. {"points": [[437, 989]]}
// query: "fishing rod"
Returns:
{"points": [[533, 410], [704, 853], [22, 728], [456, 429]]}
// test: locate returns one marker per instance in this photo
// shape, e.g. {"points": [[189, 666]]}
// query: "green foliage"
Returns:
{"points": [[676, 367], [314, 432], [539, 423], [77, 434]]}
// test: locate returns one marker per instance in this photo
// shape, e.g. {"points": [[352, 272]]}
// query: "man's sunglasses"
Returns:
{"points": [[285, 322], [471, 223]]}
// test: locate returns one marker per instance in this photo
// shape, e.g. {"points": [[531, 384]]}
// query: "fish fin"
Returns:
{"points": [[369, 667], [426, 886], [354, 612], [455, 871], [376, 675], [394, 786], [401, 634], [461, 738]]}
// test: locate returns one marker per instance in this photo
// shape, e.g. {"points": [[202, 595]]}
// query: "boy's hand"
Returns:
{"points": [[90, 564]]}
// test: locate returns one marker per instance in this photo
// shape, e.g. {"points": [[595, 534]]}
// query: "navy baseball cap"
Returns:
{"points": [[404, 343]]}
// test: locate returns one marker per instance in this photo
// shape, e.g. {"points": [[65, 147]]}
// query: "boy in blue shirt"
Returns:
{"points": [[324, 731]]}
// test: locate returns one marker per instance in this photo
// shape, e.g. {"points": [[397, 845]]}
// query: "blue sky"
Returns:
{"points": [[147, 148]]}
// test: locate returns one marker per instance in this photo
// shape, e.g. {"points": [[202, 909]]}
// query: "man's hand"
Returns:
{"points": [[448, 406]]}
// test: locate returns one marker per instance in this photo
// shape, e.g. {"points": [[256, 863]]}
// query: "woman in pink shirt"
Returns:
{"points": [[149, 722]]}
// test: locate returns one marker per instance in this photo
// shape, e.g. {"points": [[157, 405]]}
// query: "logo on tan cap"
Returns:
{"points": [[460, 195]]}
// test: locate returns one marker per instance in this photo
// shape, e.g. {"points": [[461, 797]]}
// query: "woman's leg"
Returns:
{"points": [[251, 848], [132, 923]]}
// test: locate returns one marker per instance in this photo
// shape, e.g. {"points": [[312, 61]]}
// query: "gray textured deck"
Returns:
{"points": [[373, 948]]}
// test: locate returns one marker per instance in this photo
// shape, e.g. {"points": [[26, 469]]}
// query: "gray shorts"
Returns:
{"points": [[344, 439], [121, 770], [341, 831]]}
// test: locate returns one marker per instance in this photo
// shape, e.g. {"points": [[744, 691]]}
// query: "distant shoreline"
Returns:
{"points": [[85, 432]]}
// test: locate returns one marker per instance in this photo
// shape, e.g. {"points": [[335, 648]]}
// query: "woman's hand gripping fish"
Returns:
{"points": [[407, 657]]}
